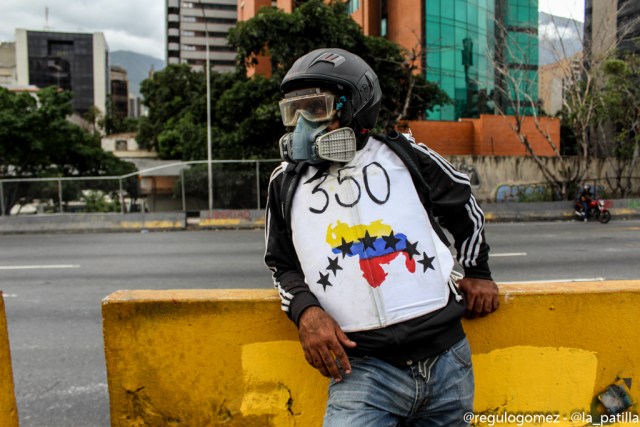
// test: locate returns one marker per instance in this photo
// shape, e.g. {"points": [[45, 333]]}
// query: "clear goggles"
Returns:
{"points": [[317, 107]]}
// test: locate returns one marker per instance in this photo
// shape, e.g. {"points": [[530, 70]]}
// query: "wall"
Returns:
{"points": [[487, 136], [498, 138], [22, 57], [446, 138], [211, 357], [94, 222], [404, 28], [494, 171], [100, 72], [8, 408]]}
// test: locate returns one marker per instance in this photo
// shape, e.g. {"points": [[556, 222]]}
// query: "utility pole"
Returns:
{"points": [[209, 168], [207, 72]]}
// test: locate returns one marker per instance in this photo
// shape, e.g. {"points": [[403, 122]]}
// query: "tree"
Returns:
{"points": [[282, 38], [621, 107], [583, 110], [113, 123], [170, 94], [37, 140], [245, 119]]}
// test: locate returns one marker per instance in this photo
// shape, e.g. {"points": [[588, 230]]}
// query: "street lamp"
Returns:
{"points": [[207, 72], [209, 171]]}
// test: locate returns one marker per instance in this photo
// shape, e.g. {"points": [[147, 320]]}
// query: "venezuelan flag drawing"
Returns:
{"points": [[375, 244]]}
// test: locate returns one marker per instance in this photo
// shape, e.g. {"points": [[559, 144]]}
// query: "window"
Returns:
{"points": [[187, 5], [186, 33], [121, 145], [352, 6], [188, 19]]}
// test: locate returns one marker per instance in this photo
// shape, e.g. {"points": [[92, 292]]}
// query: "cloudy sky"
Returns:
{"points": [[138, 25]]}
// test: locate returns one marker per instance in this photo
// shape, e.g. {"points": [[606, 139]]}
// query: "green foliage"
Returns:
{"points": [[535, 194], [36, 139], [621, 103], [620, 106], [288, 36], [245, 119], [97, 201], [113, 123], [234, 185], [315, 25]]}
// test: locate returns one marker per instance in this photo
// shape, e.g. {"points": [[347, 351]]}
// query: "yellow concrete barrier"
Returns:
{"points": [[230, 357], [8, 408]]}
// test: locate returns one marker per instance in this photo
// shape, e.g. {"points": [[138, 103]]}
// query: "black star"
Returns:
{"points": [[368, 241], [345, 248], [333, 265], [391, 241], [427, 262], [411, 249], [324, 281]]}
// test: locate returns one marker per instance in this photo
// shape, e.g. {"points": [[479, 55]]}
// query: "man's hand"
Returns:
{"points": [[481, 295], [323, 341]]}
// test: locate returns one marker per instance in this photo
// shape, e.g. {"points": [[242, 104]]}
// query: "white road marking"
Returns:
{"points": [[586, 279], [9, 295], [509, 254], [36, 267]]}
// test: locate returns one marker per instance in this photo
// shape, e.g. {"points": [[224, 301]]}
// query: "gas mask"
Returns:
{"points": [[311, 113], [313, 143]]}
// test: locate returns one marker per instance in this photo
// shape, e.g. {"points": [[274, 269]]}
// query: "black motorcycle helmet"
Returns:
{"points": [[344, 74]]}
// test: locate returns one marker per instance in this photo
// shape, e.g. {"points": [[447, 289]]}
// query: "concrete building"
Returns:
{"points": [[8, 64], [611, 24], [119, 91], [553, 79], [125, 146], [77, 62], [462, 44], [193, 25]]}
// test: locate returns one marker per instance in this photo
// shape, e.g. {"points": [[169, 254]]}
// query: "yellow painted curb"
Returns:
{"points": [[8, 408], [152, 225]]}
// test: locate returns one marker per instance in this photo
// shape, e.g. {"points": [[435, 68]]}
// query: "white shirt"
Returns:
{"points": [[365, 243]]}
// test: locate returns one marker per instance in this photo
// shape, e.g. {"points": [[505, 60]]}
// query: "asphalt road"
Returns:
{"points": [[53, 285]]}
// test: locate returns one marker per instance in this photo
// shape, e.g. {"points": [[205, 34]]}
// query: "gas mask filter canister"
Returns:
{"points": [[310, 142]]}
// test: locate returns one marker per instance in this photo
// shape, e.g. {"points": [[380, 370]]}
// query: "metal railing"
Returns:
{"points": [[124, 186]]}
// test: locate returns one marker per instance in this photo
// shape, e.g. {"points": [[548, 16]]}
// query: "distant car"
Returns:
{"points": [[26, 209]]}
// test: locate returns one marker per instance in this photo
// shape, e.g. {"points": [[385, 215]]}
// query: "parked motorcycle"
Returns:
{"points": [[598, 209]]}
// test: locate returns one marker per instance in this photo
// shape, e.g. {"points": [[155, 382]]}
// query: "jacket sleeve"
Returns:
{"points": [[280, 255], [457, 210]]}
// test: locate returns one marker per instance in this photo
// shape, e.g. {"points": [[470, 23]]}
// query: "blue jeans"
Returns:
{"points": [[377, 394]]}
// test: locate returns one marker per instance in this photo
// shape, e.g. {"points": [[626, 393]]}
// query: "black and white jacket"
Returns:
{"points": [[363, 241]]}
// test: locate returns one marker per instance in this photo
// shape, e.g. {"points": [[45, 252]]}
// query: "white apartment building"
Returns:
{"points": [[192, 24]]}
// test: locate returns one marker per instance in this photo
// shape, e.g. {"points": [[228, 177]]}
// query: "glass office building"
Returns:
{"points": [[76, 62], [468, 42]]}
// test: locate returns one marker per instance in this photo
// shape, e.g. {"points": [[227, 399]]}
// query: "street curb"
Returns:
{"points": [[93, 222], [255, 218]]}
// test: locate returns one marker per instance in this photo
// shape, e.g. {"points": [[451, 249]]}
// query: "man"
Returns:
{"points": [[359, 260], [584, 198]]}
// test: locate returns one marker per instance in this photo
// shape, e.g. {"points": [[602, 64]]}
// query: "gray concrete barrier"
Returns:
{"points": [[254, 218], [95, 222], [552, 211]]}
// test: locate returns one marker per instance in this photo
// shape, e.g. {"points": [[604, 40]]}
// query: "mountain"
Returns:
{"points": [[558, 38], [137, 66]]}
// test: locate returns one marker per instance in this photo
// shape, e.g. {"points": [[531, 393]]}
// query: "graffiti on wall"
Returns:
{"points": [[519, 192]]}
